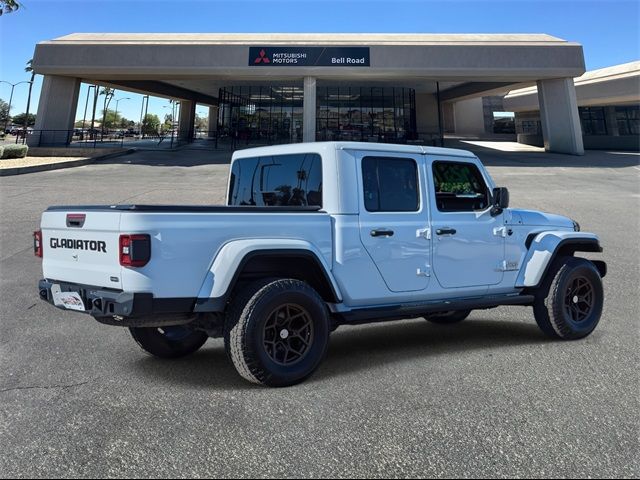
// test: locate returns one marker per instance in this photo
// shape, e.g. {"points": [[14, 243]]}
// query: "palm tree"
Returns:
{"points": [[108, 95], [29, 69], [8, 6]]}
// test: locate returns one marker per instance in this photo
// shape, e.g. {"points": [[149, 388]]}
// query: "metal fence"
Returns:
{"points": [[219, 140], [95, 139], [224, 140]]}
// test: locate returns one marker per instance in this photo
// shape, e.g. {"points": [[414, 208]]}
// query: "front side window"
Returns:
{"points": [[459, 187], [277, 180], [390, 184]]}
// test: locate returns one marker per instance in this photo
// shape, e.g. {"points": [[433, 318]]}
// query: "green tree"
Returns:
{"points": [[168, 122], [8, 6], [111, 120], [4, 112], [202, 123], [21, 119], [108, 96], [150, 124]]}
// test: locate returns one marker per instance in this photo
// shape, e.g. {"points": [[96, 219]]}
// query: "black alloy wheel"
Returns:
{"points": [[579, 299], [288, 333], [277, 331], [569, 302]]}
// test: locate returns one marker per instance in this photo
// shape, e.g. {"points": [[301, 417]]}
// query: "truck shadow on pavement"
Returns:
{"points": [[353, 349], [357, 349]]}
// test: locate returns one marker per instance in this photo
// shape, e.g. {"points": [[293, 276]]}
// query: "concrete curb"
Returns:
{"points": [[5, 172]]}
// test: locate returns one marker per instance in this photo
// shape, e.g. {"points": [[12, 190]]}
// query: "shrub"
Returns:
{"points": [[1, 150], [14, 151]]}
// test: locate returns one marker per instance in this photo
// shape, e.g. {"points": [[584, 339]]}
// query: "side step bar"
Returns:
{"points": [[397, 312]]}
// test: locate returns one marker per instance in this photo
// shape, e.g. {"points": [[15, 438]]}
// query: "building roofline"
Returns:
{"points": [[614, 72], [310, 39]]}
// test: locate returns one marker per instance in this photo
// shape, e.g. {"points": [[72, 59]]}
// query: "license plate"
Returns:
{"points": [[68, 300]]}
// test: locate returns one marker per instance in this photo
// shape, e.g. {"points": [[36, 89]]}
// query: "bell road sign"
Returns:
{"points": [[309, 56]]}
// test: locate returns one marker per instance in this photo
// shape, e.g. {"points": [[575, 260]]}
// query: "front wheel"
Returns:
{"points": [[168, 342], [277, 332], [569, 303]]}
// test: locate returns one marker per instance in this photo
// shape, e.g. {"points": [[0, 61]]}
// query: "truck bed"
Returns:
{"points": [[184, 242]]}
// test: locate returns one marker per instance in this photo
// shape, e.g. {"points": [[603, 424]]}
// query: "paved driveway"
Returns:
{"points": [[488, 397]]}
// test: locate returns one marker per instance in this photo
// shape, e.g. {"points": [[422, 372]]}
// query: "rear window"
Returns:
{"points": [[277, 180], [390, 184]]}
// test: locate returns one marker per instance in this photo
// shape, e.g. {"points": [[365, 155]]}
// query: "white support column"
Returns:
{"points": [[561, 129], [187, 120], [309, 110], [56, 111]]}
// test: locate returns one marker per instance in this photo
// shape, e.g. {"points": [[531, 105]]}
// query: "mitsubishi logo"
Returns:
{"points": [[262, 58]]}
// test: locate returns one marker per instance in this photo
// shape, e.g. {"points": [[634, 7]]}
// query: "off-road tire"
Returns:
{"points": [[559, 308], [248, 317], [446, 318], [156, 341]]}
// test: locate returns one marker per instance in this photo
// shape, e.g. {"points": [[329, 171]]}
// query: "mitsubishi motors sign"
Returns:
{"points": [[309, 56]]}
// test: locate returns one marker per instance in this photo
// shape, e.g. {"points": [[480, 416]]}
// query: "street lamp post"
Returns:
{"points": [[86, 104], [144, 99], [172, 106], [116, 115], [13, 85], [173, 120], [93, 115]]}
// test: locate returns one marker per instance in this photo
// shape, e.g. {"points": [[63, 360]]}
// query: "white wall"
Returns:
{"points": [[469, 117], [426, 113]]}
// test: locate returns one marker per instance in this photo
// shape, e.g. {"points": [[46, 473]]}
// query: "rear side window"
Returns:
{"points": [[390, 184], [459, 187], [277, 180]]}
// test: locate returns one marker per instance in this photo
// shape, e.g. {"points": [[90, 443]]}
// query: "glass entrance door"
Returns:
{"points": [[260, 115], [369, 114]]}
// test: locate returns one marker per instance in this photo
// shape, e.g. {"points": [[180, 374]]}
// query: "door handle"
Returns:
{"points": [[381, 232], [446, 231]]}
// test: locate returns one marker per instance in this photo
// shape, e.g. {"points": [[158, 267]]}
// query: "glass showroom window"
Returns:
{"points": [[628, 119], [261, 115], [373, 114], [592, 120]]}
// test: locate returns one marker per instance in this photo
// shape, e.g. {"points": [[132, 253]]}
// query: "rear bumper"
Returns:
{"points": [[105, 304], [100, 302]]}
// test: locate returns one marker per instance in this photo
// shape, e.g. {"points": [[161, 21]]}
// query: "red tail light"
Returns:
{"points": [[135, 250], [37, 243]]}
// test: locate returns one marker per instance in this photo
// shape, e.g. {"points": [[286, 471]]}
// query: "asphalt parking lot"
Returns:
{"points": [[491, 397]]}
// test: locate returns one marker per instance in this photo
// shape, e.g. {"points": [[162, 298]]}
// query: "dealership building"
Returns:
{"points": [[608, 107], [278, 88]]}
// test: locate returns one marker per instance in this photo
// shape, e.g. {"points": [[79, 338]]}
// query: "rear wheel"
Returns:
{"points": [[453, 316], [277, 332], [569, 303], [168, 342]]}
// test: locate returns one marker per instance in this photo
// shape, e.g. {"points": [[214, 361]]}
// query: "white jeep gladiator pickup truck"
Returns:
{"points": [[314, 236]]}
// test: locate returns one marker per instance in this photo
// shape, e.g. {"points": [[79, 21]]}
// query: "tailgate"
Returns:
{"points": [[82, 247]]}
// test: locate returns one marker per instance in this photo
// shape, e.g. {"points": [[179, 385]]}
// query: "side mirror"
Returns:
{"points": [[500, 200]]}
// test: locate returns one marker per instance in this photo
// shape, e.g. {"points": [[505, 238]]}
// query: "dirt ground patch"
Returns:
{"points": [[34, 161]]}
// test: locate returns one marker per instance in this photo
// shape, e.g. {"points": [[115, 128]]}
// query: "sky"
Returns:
{"points": [[607, 29]]}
